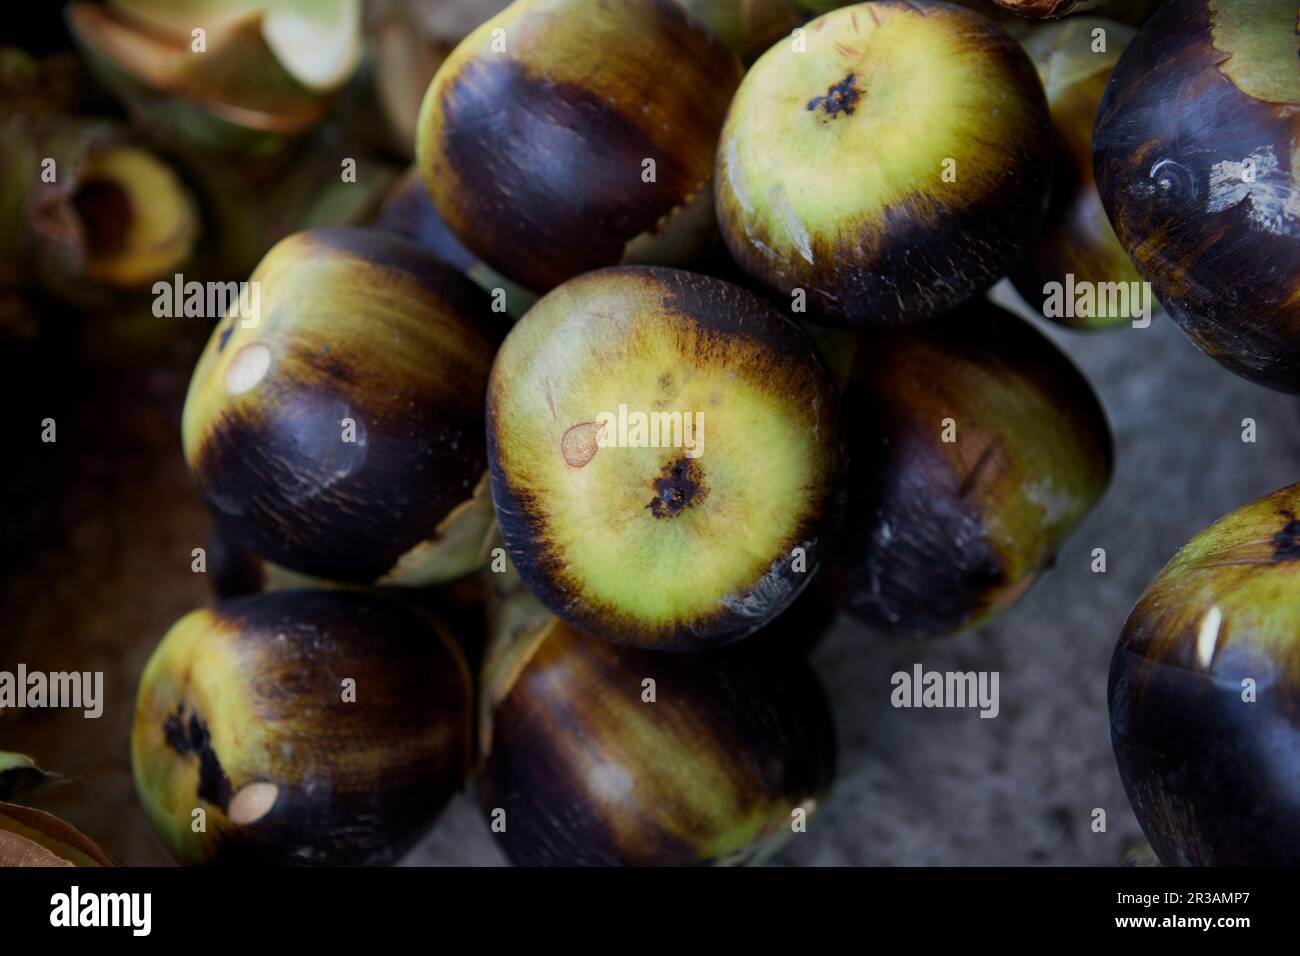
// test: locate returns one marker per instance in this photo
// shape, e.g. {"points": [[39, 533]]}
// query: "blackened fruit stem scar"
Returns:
{"points": [[842, 97]]}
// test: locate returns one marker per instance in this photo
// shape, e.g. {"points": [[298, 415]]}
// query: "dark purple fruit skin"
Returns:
{"points": [[236, 571], [408, 212], [1231, 286], [1212, 772], [764, 716], [541, 177], [938, 573], [260, 473], [331, 809], [799, 629], [350, 827], [1213, 781], [1126, 11]]}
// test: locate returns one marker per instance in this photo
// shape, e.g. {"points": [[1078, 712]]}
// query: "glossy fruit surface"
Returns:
{"points": [[747, 26], [536, 132], [1047, 9], [835, 177], [678, 533], [1077, 243], [243, 712], [1205, 693], [1196, 162], [588, 771], [341, 433], [942, 534], [33, 838], [408, 211]]}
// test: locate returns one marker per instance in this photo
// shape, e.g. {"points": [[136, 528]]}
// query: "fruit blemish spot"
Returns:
{"points": [[252, 802], [247, 368], [193, 737], [679, 486], [1286, 543], [841, 97], [1207, 637], [580, 443]]}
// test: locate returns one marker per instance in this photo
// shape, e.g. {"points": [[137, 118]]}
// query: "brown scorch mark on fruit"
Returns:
{"points": [[581, 442], [841, 97], [679, 486], [1286, 543], [214, 787]]}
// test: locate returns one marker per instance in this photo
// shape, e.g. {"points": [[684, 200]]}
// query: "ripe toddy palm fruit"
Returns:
{"points": [[1077, 246], [834, 177], [1204, 692], [599, 755], [32, 838], [339, 432], [310, 727], [665, 455], [1196, 162], [562, 136], [975, 447]]}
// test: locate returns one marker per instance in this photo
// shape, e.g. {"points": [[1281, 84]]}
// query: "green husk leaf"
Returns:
{"points": [[19, 774]]}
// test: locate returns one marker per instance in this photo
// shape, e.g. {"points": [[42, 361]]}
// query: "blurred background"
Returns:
{"points": [[99, 526]]}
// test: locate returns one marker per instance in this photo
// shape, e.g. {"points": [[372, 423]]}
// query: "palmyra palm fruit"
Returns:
{"points": [[308, 727], [562, 136], [339, 433], [1196, 162], [596, 754], [1205, 689], [834, 178], [975, 447], [665, 455]]}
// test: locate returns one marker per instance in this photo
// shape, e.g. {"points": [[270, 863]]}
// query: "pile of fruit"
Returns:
{"points": [[540, 468]]}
